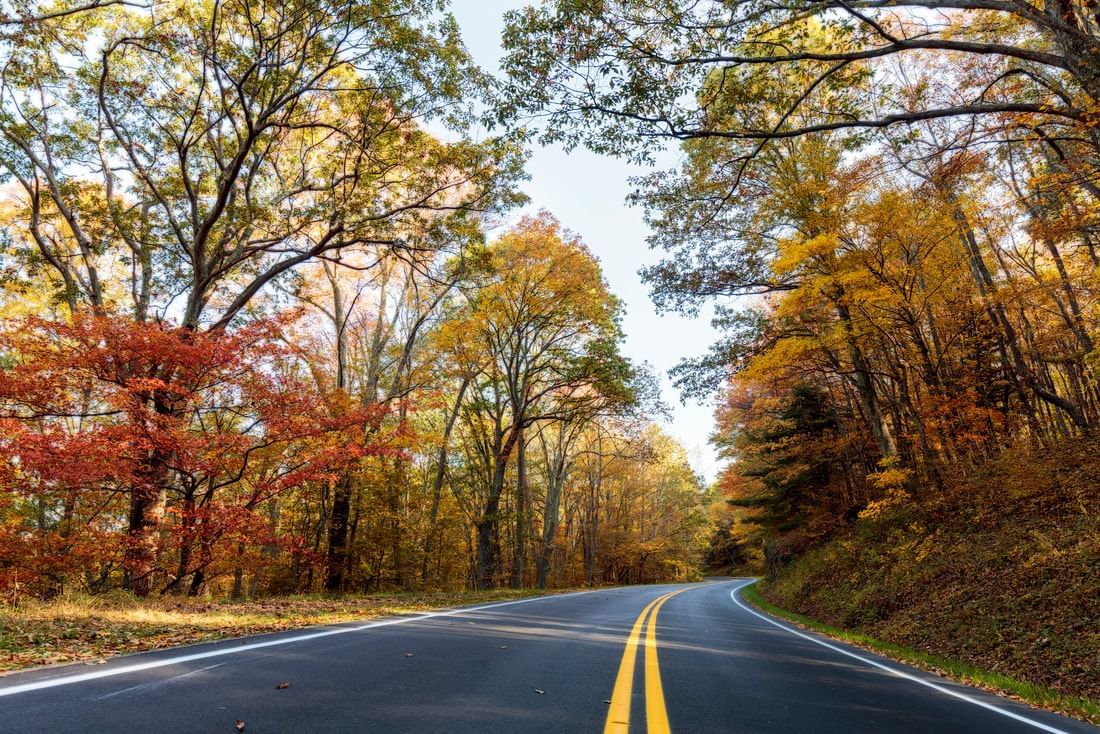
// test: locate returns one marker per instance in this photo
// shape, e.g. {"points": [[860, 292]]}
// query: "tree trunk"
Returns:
{"points": [[437, 481], [865, 387], [550, 518], [487, 567], [187, 542], [338, 534], [519, 557], [146, 513]]}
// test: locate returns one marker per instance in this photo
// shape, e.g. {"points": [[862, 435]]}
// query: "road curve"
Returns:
{"points": [[690, 658]]}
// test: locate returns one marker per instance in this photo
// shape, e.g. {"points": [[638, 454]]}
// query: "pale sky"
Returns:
{"points": [[587, 193]]}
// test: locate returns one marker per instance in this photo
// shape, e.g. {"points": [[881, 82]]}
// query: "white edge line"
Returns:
{"points": [[895, 671], [249, 647]]}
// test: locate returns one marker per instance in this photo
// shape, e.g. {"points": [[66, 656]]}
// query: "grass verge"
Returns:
{"points": [[93, 628], [1046, 698]]}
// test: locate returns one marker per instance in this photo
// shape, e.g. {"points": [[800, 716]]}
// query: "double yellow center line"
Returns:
{"points": [[656, 717]]}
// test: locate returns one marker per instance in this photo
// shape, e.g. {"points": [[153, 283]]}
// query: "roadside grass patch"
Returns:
{"points": [[1036, 695], [81, 628]]}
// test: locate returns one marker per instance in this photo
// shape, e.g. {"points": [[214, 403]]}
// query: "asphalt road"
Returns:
{"points": [[585, 662]]}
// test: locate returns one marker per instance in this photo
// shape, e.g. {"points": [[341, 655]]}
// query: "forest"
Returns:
{"points": [[271, 324]]}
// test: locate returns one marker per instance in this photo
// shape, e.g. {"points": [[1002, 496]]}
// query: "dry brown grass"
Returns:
{"points": [[92, 628]]}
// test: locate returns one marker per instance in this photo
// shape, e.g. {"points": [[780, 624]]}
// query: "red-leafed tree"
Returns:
{"points": [[107, 425]]}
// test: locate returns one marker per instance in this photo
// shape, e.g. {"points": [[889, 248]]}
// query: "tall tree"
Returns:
{"points": [[549, 327]]}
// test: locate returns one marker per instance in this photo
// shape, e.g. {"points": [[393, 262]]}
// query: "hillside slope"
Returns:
{"points": [[1002, 572]]}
